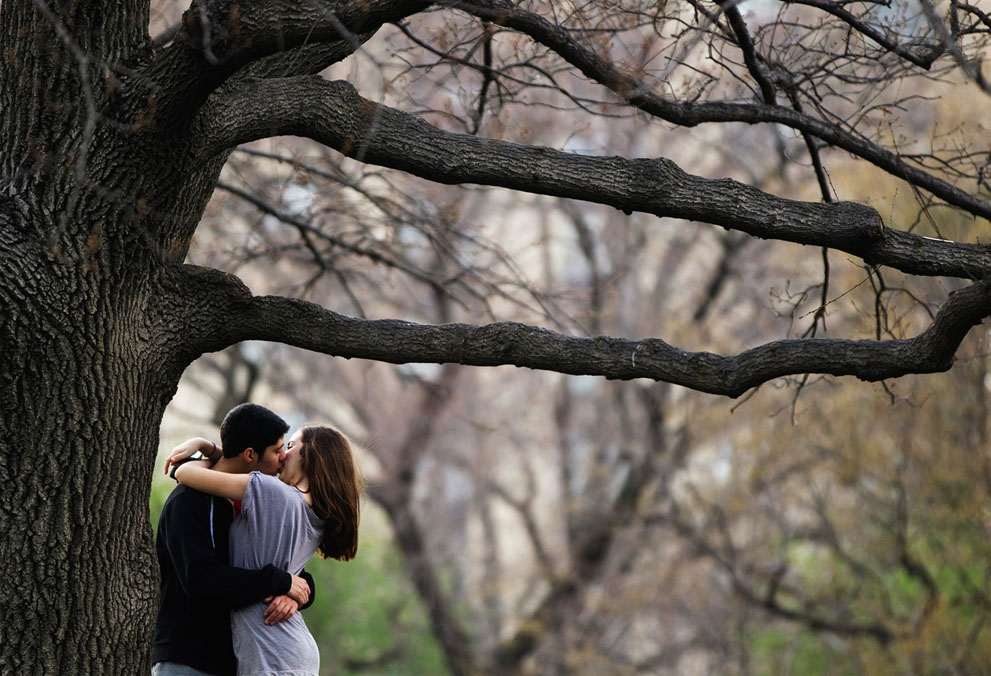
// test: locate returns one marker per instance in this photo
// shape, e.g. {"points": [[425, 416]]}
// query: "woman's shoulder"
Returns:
{"points": [[266, 481], [271, 485], [263, 489]]}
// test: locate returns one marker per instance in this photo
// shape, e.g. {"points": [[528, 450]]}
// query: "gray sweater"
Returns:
{"points": [[275, 528]]}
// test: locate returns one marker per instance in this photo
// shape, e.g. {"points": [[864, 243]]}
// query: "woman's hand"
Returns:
{"points": [[188, 448], [280, 609]]}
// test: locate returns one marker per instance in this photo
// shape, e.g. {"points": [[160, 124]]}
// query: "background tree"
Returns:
{"points": [[113, 143]]}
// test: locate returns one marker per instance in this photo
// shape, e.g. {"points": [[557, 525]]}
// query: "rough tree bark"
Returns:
{"points": [[111, 147], [90, 323]]}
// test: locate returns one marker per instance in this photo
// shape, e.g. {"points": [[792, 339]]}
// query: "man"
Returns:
{"points": [[198, 586]]}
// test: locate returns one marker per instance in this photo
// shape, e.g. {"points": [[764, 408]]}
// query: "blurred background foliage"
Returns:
{"points": [[524, 522]]}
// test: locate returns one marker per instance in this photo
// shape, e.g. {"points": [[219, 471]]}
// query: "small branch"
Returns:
{"points": [[769, 599], [635, 92], [925, 61], [307, 230], [970, 68], [746, 44], [487, 76]]}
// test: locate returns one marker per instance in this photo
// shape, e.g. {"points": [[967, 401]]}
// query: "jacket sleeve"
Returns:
{"points": [[202, 571], [313, 589]]}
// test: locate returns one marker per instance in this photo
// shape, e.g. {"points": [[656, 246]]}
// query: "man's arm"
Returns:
{"points": [[313, 589]]}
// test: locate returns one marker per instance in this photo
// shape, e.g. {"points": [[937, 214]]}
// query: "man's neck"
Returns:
{"points": [[231, 466]]}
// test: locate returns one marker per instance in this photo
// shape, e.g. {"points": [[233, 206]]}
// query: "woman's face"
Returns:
{"points": [[292, 470]]}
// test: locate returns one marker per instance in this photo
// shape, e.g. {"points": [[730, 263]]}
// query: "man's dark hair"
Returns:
{"points": [[250, 426]]}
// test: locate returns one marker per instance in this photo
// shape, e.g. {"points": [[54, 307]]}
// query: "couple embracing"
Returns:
{"points": [[233, 539]]}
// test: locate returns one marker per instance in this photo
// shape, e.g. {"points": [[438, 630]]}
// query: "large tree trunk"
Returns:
{"points": [[81, 399], [95, 330], [101, 189], [90, 343]]}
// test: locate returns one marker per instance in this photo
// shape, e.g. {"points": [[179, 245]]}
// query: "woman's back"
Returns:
{"points": [[275, 527]]}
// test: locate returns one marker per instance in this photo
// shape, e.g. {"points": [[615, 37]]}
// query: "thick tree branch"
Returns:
{"points": [[220, 37], [306, 60], [635, 92], [230, 315], [197, 306], [334, 114]]}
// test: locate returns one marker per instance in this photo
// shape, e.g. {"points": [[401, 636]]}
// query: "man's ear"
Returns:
{"points": [[249, 455]]}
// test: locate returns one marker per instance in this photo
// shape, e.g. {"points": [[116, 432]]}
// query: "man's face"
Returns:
{"points": [[272, 459]]}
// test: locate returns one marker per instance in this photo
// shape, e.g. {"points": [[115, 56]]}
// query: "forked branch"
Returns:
{"points": [[219, 38]]}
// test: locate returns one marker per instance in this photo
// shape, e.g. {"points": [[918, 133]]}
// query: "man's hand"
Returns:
{"points": [[280, 609], [299, 591]]}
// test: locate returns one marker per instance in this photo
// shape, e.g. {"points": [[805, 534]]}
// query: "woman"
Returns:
{"points": [[312, 507]]}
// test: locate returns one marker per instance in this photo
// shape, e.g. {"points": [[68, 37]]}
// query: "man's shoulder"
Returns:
{"points": [[185, 498]]}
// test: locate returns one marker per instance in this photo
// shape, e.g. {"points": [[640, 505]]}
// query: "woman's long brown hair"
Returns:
{"points": [[335, 487]]}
